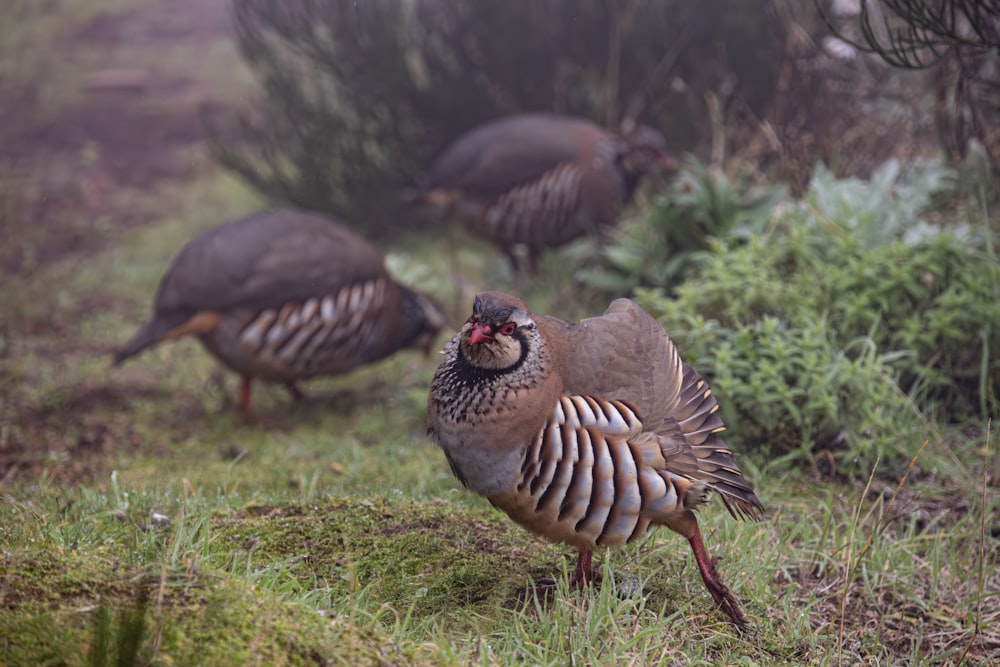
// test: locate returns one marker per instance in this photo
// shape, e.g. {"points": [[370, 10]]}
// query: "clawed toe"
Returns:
{"points": [[542, 589]]}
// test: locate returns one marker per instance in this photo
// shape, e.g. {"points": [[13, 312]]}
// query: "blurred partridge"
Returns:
{"points": [[286, 295], [541, 180], [587, 433]]}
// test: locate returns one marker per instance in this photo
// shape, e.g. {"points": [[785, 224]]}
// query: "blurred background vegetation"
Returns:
{"points": [[835, 213], [358, 98]]}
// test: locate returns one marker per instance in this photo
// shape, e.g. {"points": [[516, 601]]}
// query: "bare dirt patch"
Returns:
{"points": [[72, 179], [74, 439], [126, 128]]}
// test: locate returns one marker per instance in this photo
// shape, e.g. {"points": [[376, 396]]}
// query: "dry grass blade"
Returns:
{"points": [[982, 550], [847, 579], [852, 568]]}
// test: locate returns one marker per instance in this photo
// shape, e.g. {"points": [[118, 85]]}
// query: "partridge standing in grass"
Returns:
{"points": [[540, 179], [286, 295], [585, 433]]}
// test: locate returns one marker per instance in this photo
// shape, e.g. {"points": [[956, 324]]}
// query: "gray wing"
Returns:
{"points": [[497, 156], [264, 260], [626, 355]]}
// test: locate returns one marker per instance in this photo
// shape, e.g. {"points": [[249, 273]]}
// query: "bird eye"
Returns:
{"points": [[472, 319], [508, 329]]}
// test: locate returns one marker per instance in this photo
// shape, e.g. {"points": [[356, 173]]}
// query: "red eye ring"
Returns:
{"points": [[472, 319], [508, 329]]}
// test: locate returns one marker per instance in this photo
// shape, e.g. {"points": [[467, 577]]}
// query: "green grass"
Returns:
{"points": [[337, 533], [435, 573]]}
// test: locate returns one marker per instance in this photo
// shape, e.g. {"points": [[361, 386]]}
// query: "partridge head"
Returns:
{"points": [[586, 434]]}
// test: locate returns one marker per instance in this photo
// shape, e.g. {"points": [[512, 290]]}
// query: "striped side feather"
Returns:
{"points": [[313, 334]]}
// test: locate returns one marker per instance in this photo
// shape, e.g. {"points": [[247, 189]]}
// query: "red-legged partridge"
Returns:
{"points": [[587, 433], [286, 295], [541, 180]]}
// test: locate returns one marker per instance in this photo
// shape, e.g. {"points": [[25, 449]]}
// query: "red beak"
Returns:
{"points": [[480, 334]]}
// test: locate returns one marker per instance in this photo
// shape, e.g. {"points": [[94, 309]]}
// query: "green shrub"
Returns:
{"points": [[934, 307], [790, 390], [657, 247], [825, 333], [884, 208]]}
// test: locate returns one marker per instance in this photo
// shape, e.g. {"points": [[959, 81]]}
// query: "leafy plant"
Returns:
{"points": [[822, 330], [792, 390], [884, 207], [656, 249]]}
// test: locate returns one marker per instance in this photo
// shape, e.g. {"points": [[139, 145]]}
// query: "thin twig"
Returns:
{"points": [[718, 124], [612, 79]]}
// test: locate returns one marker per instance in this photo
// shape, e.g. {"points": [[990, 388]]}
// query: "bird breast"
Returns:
{"points": [[483, 418]]}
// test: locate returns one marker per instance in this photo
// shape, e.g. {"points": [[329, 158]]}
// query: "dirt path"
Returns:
{"points": [[128, 125], [73, 177]]}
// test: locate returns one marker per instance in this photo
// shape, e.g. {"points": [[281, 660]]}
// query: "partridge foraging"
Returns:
{"points": [[587, 433], [541, 180], [286, 295]]}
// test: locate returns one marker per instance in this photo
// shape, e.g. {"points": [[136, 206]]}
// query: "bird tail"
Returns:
{"points": [[709, 465], [719, 471], [150, 334]]}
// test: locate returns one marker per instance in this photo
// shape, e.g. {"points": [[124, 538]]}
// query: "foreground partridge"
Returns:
{"points": [[286, 295], [585, 433], [541, 180]]}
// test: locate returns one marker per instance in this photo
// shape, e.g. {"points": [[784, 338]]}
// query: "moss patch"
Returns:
{"points": [[421, 557], [62, 607]]}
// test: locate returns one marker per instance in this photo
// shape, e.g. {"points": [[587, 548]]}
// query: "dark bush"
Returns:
{"points": [[360, 96]]}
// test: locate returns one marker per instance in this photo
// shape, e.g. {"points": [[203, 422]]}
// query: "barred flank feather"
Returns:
{"points": [[286, 295], [587, 476], [328, 332], [540, 180]]}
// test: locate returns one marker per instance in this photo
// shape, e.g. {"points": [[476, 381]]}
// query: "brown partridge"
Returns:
{"points": [[286, 295], [587, 433], [541, 180]]}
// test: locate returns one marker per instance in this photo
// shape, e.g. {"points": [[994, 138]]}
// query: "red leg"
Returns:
{"points": [[722, 596], [533, 254], [245, 407], [583, 575], [515, 264], [584, 572]]}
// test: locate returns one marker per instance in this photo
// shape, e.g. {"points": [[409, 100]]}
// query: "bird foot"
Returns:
{"points": [[546, 587], [297, 394], [541, 589], [727, 602], [723, 597], [582, 575], [251, 417]]}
